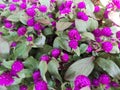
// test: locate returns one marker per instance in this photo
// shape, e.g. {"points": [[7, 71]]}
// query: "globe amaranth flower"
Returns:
{"points": [[74, 35], [29, 38], [81, 81], [82, 16], [55, 53], [37, 26], [30, 12], [97, 32], [106, 31], [73, 44], [106, 14], [117, 3], [110, 6], [41, 85], [65, 7], [114, 84], [43, 8], [104, 79], [36, 76], [89, 49], [107, 46], [96, 83], [13, 44], [8, 24], [96, 9], [53, 23], [64, 57], [45, 58], [81, 5], [118, 34], [15, 0], [21, 31], [12, 7], [31, 22], [6, 79], [52, 1], [23, 87], [2, 6], [23, 5], [17, 66], [68, 88]]}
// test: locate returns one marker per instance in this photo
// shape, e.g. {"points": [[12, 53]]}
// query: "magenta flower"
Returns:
{"points": [[55, 53], [104, 79], [17, 66], [45, 58], [117, 3], [81, 81], [89, 49], [13, 44], [114, 84], [43, 8], [81, 5], [95, 82], [21, 31], [64, 57], [2, 6], [6, 79], [118, 34], [23, 6], [106, 31], [106, 14], [96, 9], [23, 87], [15, 0], [31, 12], [74, 35], [73, 44], [31, 22], [97, 32], [37, 26], [107, 46], [36, 76], [12, 7], [82, 16], [41, 85], [8, 24], [29, 38]]}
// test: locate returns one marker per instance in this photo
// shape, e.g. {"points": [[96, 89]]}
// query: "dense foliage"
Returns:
{"points": [[60, 44]]}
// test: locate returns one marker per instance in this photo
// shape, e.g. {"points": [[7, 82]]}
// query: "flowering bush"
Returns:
{"points": [[60, 44]]}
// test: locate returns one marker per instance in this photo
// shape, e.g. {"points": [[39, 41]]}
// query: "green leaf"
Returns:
{"points": [[61, 26], [43, 67], [115, 49], [4, 48], [89, 5], [88, 36], [13, 87], [83, 48], [81, 25], [109, 66], [48, 31], [53, 66], [62, 43], [7, 64], [45, 2], [14, 17], [40, 41], [23, 17], [5, 13], [31, 63], [77, 51], [80, 67]]}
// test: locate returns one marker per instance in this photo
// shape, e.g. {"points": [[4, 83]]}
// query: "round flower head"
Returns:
{"points": [[68, 4], [31, 22], [110, 6], [81, 81], [52, 1], [74, 35], [65, 57], [106, 14], [68, 88], [12, 7], [95, 82], [104, 79], [43, 8], [118, 34], [15, 0], [8, 24], [117, 3], [17, 66], [97, 32], [55, 53], [21, 31], [114, 84], [89, 49], [73, 44], [6, 79], [96, 9], [29, 38], [107, 46], [13, 44], [81, 5], [2, 6], [45, 58], [23, 87], [30, 12], [106, 31], [37, 26], [82, 15], [36, 76], [53, 23], [41, 85], [23, 5]]}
